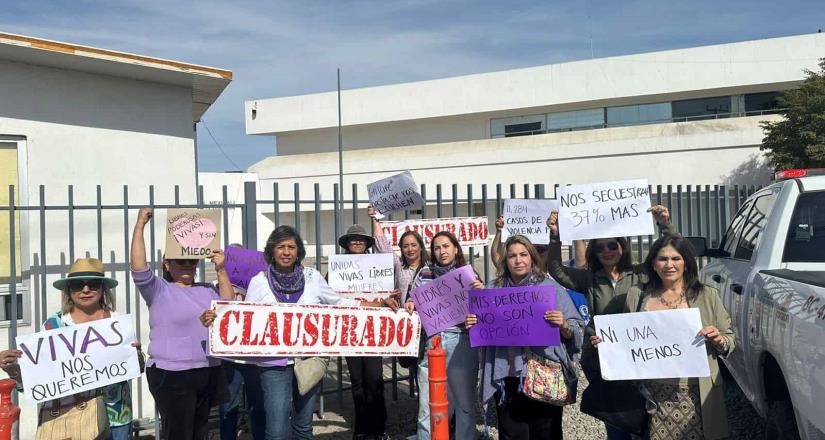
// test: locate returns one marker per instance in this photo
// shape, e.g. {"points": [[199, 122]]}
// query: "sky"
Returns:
{"points": [[285, 48]]}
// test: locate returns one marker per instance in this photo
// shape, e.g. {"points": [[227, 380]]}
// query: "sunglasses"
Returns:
{"points": [[77, 285], [184, 262], [601, 247]]}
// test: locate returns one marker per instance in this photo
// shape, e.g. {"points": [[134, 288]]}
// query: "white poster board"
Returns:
{"points": [[652, 345], [68, 360], [394, 193], [528, 217], [361, 273], [604, 210]]}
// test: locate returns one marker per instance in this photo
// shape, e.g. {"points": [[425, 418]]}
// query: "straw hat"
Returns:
{"points": [[356, 231], [85, 269]]}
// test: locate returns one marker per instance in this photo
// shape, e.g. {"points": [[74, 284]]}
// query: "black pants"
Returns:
{"points": [[522, 418], [367, 376], [183, 399]]}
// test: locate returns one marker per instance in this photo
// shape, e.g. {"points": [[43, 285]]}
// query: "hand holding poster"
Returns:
{"points": [[192, 233], [395, 193], [442, 303], [353, 274], [513, 316], [244, 329], [243, 264], [68, 360], [602, 210], [652, 345], [470, 231], [528, 217]]}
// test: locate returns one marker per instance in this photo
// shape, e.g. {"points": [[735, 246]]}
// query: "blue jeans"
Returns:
{"points": [[250, 376], [282, 400], [123, 432], [462, 380]]}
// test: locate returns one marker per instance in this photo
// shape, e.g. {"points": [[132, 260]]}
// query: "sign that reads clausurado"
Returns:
{"points": [[192, 233], [442, 303], [281, 330], [528, 217], [394, 193], [68, 360], [513, 317], [603, 210], [470, 231], [652, 345]]}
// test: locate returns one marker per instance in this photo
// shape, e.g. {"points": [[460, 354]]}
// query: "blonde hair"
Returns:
{"points": [[503, 272], [107, 300]]}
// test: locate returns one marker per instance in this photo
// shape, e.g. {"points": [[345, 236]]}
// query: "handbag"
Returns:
{"points": [[544, 380], [617, 403], [80, 419], [309, 371]]}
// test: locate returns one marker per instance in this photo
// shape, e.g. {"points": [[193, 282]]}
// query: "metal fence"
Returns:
{"points": [[701, 210]]}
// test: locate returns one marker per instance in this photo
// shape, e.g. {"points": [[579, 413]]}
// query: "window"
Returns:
{"points": [[517, 126], [757, 102], [806, 234], [563, 121], [751, 232], [703, 108], [638, 114], [735, 229]]}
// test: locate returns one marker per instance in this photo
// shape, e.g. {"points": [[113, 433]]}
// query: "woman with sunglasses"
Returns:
{"points": [[446, 255], [609, 275], [184, 382], [86, 296]]}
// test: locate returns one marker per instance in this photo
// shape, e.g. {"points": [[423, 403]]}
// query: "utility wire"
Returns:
{"points": [[219, 146]]}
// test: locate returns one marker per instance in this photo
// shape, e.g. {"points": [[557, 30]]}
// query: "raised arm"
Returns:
{"points": [[224, 285], [496, 249], [571, 278], [662, 216], [137, 254]]}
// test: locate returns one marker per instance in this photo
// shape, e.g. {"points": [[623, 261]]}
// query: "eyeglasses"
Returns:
{"points": [[601, 247], [357, 241], [77, 285], [184, 262]]}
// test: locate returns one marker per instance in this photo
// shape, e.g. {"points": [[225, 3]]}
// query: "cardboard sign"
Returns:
{"points": [[192, 233], [528, 217], [442, 303], [68, 360], [256, 329], [513, 317], [395, 193], [604, 210], [652, 345], [470, 231], [361, 273], [243, 264]]}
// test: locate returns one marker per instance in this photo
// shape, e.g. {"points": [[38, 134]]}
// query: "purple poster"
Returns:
{"points": [[442, 303], [243, 264], [513, 316]]}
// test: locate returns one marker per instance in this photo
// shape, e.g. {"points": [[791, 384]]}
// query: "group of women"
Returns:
{"points": [[186, 383]]}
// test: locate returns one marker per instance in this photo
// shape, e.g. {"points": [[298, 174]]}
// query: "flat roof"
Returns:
{"points": [[741, 67], [207, 83]]}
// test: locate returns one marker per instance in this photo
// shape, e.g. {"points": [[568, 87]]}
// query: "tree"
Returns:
{"points": [[798, 141]]}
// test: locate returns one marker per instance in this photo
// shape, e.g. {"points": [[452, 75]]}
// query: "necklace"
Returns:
{"points": [[672, 304]]}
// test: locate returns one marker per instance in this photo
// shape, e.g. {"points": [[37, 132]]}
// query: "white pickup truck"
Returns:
{"points": [[770, 271]]}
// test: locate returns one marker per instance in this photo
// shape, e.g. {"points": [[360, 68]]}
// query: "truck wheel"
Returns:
{"points": [[781, 422]]}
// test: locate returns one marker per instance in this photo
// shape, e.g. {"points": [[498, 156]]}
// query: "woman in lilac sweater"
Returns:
{"points": [[184, 382]]}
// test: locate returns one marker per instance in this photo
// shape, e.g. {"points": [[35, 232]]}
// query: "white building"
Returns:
{"points": [[83, 116]]}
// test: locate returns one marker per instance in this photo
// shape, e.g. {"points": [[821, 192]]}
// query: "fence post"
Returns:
{"points": [[250, 215]]}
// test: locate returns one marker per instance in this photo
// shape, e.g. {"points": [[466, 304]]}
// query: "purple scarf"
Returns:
{"points": [[287, 287]]}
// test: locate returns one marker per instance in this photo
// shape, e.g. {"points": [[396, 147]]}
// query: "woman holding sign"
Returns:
{"points": [[87, 296], [446, 256], [523, 415], [184, 382], [682, 408]]}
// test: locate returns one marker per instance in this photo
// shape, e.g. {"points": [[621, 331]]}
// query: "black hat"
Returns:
{"points": [[356, 231]]}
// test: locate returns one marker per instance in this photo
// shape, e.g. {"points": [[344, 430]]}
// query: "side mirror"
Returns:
{"points": [[700, 244]]}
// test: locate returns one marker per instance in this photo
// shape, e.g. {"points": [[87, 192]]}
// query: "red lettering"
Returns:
{"points": [[327, 330], [247, 327], [462, 232], [368, 335], [484, 231], [288, 340], [348, 328], [386, 334], [472, 230], [271, 330], [310, 329], [450, 227], [224, 328], [404, 330]]}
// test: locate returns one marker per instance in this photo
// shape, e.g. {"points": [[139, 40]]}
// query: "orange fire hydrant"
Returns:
{"points": [[439, 406], [9, 412]]}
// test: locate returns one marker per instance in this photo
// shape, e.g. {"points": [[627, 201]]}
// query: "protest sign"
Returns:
{"points": [[470, 231], [395, 193], [652, 345], [442, 303], [68, 360], [244, 329], [528, 217], [243, 264], [361, 273], [513, 316], [603, 210], [192, 233]]}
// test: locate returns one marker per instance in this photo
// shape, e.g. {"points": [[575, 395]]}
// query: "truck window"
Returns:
{"points": [[753, 226], [806, 234], [735, 229]]}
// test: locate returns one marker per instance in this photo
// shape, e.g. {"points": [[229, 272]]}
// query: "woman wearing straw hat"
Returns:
{"points": [[86, 296]]}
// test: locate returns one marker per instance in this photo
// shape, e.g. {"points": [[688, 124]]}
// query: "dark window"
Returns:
{"points": [[735, 229], [521, 129], [704, 108], [751, 232], [806, 234], [755, 102]]}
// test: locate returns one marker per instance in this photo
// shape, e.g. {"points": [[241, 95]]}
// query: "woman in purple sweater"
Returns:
{"points": [[184, 382]]}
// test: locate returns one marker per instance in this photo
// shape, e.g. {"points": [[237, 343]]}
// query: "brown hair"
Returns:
{"points": [[459, 254], [625, 262], [503, 272], [690, 278], [422, 259]]}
